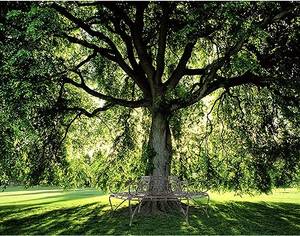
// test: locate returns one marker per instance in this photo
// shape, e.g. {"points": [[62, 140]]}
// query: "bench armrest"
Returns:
{"points": [[128, 184], [186, 186]]}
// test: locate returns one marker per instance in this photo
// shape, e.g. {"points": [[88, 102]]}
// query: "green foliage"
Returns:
{"points": [[248, 140], [27, 91], [247, 143]]}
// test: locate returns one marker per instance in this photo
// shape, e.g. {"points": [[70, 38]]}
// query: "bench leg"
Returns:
{"points": [[134, 211], [117, 206], [110, 203], [205, 209], [139, 210], [207, 206], [130, 209], [187, 211], [184, 212]]}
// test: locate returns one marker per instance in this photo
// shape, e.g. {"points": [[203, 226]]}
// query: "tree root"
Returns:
{"points": [[151, 207]]}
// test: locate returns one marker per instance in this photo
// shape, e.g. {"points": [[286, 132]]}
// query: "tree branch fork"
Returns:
{"points": [[140, 67]]}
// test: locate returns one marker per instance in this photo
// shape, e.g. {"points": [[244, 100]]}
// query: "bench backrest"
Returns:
{"points": [[143, 184], [173, 184]]}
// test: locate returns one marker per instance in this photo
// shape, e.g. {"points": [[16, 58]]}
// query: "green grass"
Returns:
{"points": [[54, 211]]}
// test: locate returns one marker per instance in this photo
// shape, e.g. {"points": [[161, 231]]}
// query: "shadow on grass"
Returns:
{"points": [[250, 218], [96, 218]]}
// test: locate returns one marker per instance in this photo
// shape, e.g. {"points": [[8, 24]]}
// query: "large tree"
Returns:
{"points": [[165, 57]]}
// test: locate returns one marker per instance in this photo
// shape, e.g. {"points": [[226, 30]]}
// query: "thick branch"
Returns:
{"points": [[213, 82], [119, 17], [81, 24], [105, 52], [222, 61], [111, 54], [127, 40], [136, 33], [220, 82], [192, 71], [246, 78], [160, 58], [140, 78], [118, 12], [82, 111], [181, 67], [113, 100], [90, 57]]}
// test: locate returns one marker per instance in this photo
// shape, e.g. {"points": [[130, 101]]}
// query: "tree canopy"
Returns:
{"points": [[96, 92]]}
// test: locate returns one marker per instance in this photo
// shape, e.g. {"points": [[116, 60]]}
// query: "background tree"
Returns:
{"points": [[166, 58]]}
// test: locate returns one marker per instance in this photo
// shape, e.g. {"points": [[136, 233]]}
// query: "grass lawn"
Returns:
{"points": [[54, 211]]}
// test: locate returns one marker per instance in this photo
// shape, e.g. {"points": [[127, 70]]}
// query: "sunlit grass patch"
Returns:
{"points": [[286, 195]]}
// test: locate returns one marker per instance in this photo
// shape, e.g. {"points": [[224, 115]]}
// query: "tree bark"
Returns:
{"points": [[159, 164], [161, 149]]}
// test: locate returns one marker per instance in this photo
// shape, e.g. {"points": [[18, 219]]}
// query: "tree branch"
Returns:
{"points": [[136, 73], [212, 69], [116, 101], [181, 67], [194, 71], [108, 53], [208, 120], [81, 24], [66, 131], [105, 52], [213, 82], [140, 78], [162, 40], [82, 111], [137, 31], [127, 40], [118, 12], [112, 54], [247, 78], [90, 57], [220, 82]]}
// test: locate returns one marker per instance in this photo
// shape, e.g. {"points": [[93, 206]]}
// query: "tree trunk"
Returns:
{"points": [[161, 149], [159, 164]]}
